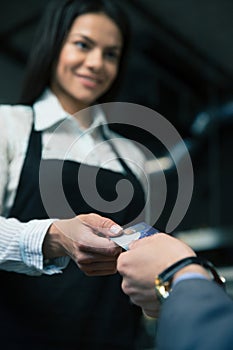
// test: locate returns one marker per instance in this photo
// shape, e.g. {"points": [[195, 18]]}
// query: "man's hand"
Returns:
{"points": [[147, 258], [84, 239]]}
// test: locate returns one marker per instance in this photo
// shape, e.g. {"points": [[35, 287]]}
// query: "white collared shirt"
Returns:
{"points": [[62, 138]]}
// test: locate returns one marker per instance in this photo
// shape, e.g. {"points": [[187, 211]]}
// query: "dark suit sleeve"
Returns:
{"points": [[198, 315]]}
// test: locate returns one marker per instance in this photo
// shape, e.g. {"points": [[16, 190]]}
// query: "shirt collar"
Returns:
{"points": [[48, 112]]}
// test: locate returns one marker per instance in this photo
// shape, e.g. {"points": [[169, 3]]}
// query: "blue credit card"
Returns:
{"points": [[132, 233]]}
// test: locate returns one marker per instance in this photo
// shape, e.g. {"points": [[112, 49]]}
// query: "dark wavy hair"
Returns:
{"points": [[49, 38]]}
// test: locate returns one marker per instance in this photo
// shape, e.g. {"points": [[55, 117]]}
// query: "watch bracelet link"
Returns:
{"points": [[163, 281]]}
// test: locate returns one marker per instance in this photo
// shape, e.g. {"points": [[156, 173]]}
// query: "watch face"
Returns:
{"points": [[162, 289]]}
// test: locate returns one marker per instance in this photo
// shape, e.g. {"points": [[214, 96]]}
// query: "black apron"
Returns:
{"points": [[70, 310]]}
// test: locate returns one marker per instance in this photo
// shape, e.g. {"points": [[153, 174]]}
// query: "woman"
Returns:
{"points": [[76, 62]]}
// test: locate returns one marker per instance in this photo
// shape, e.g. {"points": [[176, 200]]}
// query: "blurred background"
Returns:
{"points": [[180, 65]]}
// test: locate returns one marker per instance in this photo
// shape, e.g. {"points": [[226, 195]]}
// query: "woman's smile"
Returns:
{"points": [[88, 81]]}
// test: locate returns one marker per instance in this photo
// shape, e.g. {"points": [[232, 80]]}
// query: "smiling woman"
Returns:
{"points": [[76, 62], [61, 22], [88, 61]]}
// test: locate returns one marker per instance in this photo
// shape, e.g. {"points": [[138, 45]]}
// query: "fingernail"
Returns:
{"points": [[115, 229]]}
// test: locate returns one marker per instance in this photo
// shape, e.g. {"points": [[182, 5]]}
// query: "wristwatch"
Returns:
{"points": [[163, 282]]}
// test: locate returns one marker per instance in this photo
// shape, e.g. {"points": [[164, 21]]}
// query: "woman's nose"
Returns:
{"points": [[94, 59]]}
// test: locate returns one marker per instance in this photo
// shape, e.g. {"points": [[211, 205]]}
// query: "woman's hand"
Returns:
{"points": [[85, 239]]}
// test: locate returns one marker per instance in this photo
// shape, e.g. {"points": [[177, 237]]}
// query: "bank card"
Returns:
{"points": [[133, 233]]}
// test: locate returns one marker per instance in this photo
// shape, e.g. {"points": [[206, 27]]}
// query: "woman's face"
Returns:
{"points": [[88, 61]]}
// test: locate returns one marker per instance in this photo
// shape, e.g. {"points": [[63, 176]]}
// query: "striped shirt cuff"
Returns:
{"points": [[31, 242]]}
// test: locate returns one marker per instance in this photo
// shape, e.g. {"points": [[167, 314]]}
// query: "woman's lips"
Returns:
{"points": [[88, 81]]}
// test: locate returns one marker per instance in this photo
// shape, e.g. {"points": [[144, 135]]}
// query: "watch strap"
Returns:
{"points": [[164, 280]]}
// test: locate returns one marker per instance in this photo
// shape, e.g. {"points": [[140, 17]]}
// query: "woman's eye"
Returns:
{"points": [[112, 55], [82, 45]]}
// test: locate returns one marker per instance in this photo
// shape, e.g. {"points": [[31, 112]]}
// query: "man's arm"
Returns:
{"points": [[197, 315]]}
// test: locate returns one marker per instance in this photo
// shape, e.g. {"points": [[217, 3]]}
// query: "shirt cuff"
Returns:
{"points": [[31, 242], [188, 275]]}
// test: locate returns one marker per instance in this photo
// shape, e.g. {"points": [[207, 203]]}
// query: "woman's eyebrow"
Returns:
{"points": [[83, 37]]}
